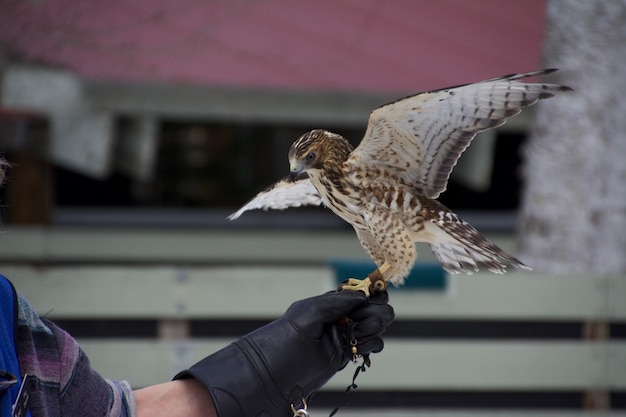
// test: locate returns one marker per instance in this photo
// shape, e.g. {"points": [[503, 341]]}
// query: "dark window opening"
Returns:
{"points": [[506, 181], [211, 166], [199, 165]]}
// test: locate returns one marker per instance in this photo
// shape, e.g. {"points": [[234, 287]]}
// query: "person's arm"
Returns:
{"points": [[179, 398], [269, 369]]}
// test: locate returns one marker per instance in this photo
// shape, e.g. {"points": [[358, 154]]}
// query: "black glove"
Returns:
{"points": [[288, 360]]}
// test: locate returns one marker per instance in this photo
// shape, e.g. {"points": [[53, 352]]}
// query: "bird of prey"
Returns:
{"points": [[387, 187]]}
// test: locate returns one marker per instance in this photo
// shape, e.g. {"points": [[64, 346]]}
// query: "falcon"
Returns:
{"points": [[387, 187]]}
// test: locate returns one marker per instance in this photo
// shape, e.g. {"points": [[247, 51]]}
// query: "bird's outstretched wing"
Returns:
{"points": [[419, 139], [283, 194]]}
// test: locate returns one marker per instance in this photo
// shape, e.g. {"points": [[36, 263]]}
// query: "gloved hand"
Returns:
{"points": [[288, 360]]}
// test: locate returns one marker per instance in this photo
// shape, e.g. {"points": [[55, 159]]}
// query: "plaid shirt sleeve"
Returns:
{"points": [[65, 384]]}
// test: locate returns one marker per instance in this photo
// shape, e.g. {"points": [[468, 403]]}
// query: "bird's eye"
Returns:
{"points": [[310, 157]]}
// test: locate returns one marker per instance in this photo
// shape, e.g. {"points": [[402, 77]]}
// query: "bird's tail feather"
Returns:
{"points": [[456, 258]]}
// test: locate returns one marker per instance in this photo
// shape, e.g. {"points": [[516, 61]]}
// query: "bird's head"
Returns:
{"points": [[316, 151]]}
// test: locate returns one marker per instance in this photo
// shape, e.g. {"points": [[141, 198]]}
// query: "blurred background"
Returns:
{"points": [[135, 127]]}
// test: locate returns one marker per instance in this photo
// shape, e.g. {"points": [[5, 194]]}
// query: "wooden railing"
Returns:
{"points": [[145, 304]]}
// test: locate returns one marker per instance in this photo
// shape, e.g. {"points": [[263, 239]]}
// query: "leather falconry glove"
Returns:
{"points": [[279, 365]]}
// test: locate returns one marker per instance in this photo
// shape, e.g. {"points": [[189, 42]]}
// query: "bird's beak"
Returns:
{"points": [[295, 170]]}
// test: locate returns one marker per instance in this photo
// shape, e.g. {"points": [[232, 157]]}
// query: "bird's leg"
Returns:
{"points": [[378, 282], [374, 282]]}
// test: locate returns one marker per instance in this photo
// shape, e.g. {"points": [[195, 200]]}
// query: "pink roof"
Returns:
{"points": [[370, 45]]}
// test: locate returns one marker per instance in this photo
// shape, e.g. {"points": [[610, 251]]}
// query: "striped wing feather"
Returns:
{"points": [[281, 195], [419, 139]]}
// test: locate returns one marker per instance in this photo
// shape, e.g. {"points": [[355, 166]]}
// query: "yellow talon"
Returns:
{"points": [[355, 284]]}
